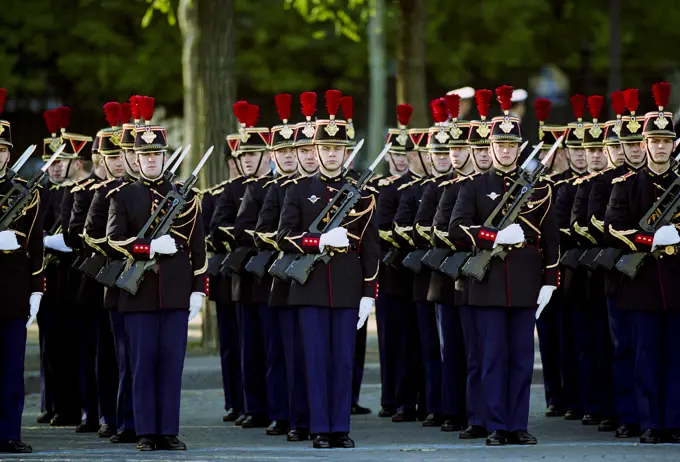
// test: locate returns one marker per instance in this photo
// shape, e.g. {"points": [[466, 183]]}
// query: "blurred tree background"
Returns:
{"points": [[83, 53]]}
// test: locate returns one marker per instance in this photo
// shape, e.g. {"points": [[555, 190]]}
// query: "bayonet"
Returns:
{"points": [[351, 157]]}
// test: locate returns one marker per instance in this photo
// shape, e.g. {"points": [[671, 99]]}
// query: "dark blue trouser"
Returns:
{"points": [[12, 356], [594, 353], [507, 340], [230, 357], [410, 380], [158, 343], [359, 361], [106, 370], [431, 354], [275, 363], [88, 328], [291, 336], [452, 349], [569, 356], [387, 308], [46, 323], [549, 327], [125, 417], [329, 336], [252, 359], [657, 368], [623, 368], [474, 391]]}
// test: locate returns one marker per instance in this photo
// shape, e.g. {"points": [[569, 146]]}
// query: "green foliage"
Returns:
{"points": [[339, 13]]}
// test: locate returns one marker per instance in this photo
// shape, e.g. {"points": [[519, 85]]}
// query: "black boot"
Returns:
{"points": [[87, 427], [301, 434], [386, 411], [322, 441], [497, 438], [341, 440], [170, 443], [126, 436], [106, 431], [15, 447], [277, 428], [230, 416], [473, 432], [146, 443], [45, 417]]}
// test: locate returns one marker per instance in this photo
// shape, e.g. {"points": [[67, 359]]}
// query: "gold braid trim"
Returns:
{"points": [[583, 231], [444, 237], [622, 235], [403, 232], [425, 232], [466, 230], [386, 235], [120, 246], [599, 225], [269, 238], [559, 255], [292, 239]]}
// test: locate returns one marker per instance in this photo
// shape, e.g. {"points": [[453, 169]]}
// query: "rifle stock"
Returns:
{"points": [[392, 258], [257, 264], [281, 264], [414, 260], [91, 266], [608, 257], [571, 258], [234, 261], [453, 265], [434, 257], [477, 265], [588, 258], [131, 280], [109, 273], [630, 264]]}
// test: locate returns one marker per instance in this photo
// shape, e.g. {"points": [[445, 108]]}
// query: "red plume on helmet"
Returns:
{"points": [[146, 106], [504, 94], [483, 99], [453, 105], [333, 102], [404, 112], [3, 96], [632, 99], [52, 121], [125, 112], [253, 115], [347, 106], [308, 103], [283, 104], [112, 112], [618, 103], [578, 105], [662, 93], [134, 108], [595, 103], [241, 109], [542, 107], [64, 115], [439, 112]]}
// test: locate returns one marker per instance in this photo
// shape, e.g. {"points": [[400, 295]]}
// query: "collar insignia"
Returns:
{"points": [[313, 199]]}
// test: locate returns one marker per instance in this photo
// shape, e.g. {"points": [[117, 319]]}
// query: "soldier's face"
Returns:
{"points": [[660, 149], [459, 156], [420, 160], [596, 159], [441, 162], [285, 159], [482, 158], [4, 158], [331, 156], [577, 157], [615, 153], [115, 165], [307, 158], [505, 154], [250, 162], [151, 164], [634, 153], [131, 159], [399, 161], [57, 170]]}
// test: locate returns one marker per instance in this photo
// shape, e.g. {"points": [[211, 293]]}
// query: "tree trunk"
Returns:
{"points": [[614, 46], [378, 74], [411, 77]]}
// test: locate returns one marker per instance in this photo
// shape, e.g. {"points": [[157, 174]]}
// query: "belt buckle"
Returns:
{"points": [[670, 250]]}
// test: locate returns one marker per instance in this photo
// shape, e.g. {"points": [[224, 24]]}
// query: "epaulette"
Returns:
{"points": [[293, 180], [376, 178], [254, 179], [118, 188], [567, 180], [549, 177], [67, 184], [372, 189], [470, 177], [96, 186], [411, 183], [279, 178], [624, 177], [82, 186], [388, 180]]}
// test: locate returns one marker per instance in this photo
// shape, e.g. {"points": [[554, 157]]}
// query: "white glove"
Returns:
{"points": [[544, 296], [365, 307], [666, 235], [164, 245], [56, 242], [34, 303], [513, 234], [8, 240], [195, 304], [336, 237]]}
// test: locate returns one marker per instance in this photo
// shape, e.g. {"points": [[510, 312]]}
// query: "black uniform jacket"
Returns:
{"points": [[351, 273], [393, 280], [442, 288], [21, 270], [208, 201], [267, 228], [179, 274], [655, 287], [516, 281], [56, 263], [222, 228]]}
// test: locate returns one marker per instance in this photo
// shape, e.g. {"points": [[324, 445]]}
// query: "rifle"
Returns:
{"points": [[338, 208], [414, 260], [234, 261], [214, 264], [588, 258], [257, 264], [14, 169], [175, 202], [108, 274], [669, 205], [392, 258], [18, 197], [514, 200], [452, 266], [608, 257], [572, 258], [434, 257], [91, 266]]}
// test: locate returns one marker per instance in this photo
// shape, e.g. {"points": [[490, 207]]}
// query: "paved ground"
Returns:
{"points": [[209, 439]]}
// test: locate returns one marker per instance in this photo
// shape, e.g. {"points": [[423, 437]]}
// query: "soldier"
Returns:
{"points": [[447, 301], [398, 394], [157, 316], [337, 294], [651, 296], [507, 297], [229, 228], [22, 284], [265, 238], [593, 343]]}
